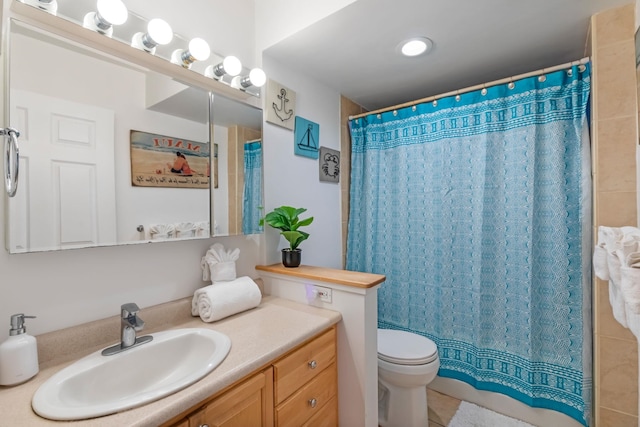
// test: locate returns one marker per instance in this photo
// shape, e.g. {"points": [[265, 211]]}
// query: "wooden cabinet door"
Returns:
{"points": [[249, 404]]}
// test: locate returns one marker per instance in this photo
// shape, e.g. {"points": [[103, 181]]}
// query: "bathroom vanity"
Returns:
{"points": [[298, 389], [266, 377]]}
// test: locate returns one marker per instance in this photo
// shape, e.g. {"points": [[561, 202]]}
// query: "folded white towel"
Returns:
{"points": [[185, 229], [218, 264], [223, 299], [161, 231]]}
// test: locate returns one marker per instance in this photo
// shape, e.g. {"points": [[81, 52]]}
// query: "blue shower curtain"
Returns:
{"points": [[252, 195], [477, 210]]}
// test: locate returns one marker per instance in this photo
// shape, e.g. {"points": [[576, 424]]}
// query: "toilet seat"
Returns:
{"points": [[405, 348]]}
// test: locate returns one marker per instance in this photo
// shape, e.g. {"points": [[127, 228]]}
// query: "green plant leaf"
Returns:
{"points": [[286, 219]]}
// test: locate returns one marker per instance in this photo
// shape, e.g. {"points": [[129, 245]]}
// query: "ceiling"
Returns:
{"points": [[474, 42]]}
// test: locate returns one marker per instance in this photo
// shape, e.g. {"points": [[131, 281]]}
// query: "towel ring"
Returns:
{"points": [[11, 160]]}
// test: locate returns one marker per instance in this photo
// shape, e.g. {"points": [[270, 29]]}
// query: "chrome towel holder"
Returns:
{"points": [[11, 160]]}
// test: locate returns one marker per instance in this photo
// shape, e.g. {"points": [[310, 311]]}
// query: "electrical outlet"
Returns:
{"points": [[324, 294]]}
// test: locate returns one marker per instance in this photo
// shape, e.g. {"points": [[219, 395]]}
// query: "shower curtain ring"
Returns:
{"points": [[542, 78]]}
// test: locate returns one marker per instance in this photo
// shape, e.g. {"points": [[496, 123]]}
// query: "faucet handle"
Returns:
{"points": [[129, 309]]}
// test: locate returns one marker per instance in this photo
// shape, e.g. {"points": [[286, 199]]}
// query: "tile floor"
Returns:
{"points": [[441, 408]]}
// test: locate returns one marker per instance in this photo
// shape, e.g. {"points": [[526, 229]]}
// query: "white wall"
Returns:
{"points": [[279, 19], [294, 180], [71, 287]]}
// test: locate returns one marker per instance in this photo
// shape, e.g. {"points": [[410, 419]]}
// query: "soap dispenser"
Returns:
{"points": [[18, 354]]}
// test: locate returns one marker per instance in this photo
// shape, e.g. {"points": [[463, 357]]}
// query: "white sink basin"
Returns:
{"points": [[99, 385]]}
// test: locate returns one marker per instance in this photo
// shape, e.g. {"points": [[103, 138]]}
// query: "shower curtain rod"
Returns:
{"points": [[476, 87]]}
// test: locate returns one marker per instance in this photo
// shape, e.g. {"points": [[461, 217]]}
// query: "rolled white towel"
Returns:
{"points": [[223, 299]]}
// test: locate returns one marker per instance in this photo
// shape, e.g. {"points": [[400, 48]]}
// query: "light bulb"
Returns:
{"points": [[199, 49], [232, 65], [110, 13], [113, 11], [258, 77], [159, 31]]}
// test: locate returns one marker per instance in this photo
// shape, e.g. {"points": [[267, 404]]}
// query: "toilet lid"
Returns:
{"points": [[405, 348]]}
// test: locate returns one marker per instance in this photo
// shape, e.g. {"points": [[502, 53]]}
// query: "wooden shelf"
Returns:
{"points": [[331, 275]]}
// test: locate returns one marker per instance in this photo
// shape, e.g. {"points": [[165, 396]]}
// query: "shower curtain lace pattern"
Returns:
{"points": [[477, 212]]}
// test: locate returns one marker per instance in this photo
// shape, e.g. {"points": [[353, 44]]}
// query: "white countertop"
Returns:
{"points": [[258, 336]]}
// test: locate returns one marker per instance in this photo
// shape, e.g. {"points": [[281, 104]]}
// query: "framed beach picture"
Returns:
{"points": [[165, 161]]}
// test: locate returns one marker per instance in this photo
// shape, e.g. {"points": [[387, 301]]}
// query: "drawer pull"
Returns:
{"points": [[313, 364], [204, 425], [313, 403]]}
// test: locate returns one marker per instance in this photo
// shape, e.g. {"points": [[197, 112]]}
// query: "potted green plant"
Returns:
{"points": [[287, 220]]}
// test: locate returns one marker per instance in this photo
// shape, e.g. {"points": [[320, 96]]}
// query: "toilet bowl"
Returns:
{"points": [[407, 362]]}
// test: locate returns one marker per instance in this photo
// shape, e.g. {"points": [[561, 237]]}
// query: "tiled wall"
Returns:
{"points": [[236, 137], [347, 108], [614, 138]]}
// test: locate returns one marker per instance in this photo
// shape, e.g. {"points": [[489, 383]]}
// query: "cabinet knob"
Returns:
{"points": [[313, 403], [204, 425], [313, 364]]}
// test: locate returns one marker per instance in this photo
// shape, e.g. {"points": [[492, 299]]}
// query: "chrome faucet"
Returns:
{"points": [[130, 323]]}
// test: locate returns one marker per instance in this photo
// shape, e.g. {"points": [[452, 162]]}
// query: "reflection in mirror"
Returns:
{"points": [[76, 109], [237, 186]]}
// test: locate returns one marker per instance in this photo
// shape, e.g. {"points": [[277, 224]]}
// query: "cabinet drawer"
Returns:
{"points": [[309, 401], [327, 416], [303, 364]]}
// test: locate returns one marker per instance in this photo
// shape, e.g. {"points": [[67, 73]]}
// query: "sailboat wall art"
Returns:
{"points": [[306, 138], [280, 105]]}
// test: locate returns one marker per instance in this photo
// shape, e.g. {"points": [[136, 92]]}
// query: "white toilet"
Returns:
{"points": [[407, 362]]}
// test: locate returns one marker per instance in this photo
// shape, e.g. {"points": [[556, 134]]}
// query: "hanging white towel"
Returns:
{"points": [[618, 304], [600, 253], [630, 281], [223, 299], [600, 262]]}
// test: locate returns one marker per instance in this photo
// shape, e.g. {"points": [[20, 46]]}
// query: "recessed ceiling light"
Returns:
{"points": [[415, 46]]}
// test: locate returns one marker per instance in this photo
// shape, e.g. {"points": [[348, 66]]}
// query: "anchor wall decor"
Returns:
{"points": [[280, 105]]}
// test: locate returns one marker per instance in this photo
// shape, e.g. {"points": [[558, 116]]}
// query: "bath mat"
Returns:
{"points": [[470, 415]]}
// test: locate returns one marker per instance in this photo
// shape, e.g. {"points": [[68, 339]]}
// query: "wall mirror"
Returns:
{"points": [[103, 143]]}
